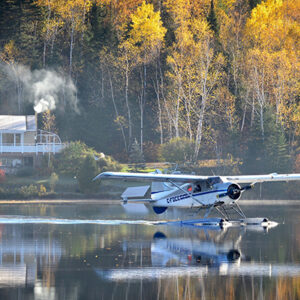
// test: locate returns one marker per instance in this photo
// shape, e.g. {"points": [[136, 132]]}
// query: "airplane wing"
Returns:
{"points": [[193, 178], [262, 178], [151, 177]]}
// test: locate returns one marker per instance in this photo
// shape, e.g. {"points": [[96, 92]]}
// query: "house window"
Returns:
{"points": [[8, 139], [18, 139], [28, 161]]}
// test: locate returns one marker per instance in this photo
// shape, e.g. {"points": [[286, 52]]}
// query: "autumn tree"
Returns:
{"points": [[195, 72], [11, 57], [271, 63], [71, 14], [145, 39], [48, 121]]}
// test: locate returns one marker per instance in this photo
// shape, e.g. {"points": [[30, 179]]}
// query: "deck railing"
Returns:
{"points": [[31, 148]]}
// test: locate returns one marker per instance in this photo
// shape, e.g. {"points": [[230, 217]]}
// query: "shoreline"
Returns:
{"points": [[117, 201]]}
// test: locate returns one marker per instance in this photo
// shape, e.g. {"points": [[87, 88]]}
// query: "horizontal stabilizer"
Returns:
{"points": [[141, 201], [137, 194]]}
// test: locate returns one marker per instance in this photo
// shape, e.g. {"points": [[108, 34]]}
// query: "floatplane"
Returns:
{"points": [[220, 193]]}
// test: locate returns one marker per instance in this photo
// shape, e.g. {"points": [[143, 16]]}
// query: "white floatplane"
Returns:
{"points": [[191, 191]]}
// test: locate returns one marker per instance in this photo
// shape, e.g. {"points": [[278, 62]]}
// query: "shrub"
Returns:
{"points": [[2, 191], [28, 191], [72, 157], [53, 181], [42, 191], [107, 163], [88, 170], [151, 152], [297, 164], [2, 175], [178, 150]]}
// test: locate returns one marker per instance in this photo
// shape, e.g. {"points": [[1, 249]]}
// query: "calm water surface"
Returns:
{"points": [[77, 251]]}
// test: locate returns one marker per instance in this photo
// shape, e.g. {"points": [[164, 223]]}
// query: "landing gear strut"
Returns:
{"points": [[227, 211]]}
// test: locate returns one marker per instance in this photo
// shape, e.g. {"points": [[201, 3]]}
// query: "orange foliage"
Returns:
{"points": [[2, 175], [121, 10]]}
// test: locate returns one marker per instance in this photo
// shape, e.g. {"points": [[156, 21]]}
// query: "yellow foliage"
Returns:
{"points": [[121, 10], [184, 10], [72, 11], [10, 53], [147, 32], [269, 27]]}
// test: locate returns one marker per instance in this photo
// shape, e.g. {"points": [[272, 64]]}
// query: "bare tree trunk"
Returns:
{"points": [[187, 104], [176, 122], [199, 127], [252, 111], [47, 35], [157, 91], [19, 88], [127, 103], [245, 109], [71, 47], [169, 117], [116, 108], [244, 117], [53, 40], [261, 98], [142, 104], [19, 92], [262, 121]]}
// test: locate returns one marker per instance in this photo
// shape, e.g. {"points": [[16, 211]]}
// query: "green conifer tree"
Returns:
{"points": [[212, 18], [87, 171], [136, 155]]}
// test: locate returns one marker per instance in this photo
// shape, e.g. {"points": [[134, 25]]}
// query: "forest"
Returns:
{"points": [[159, 80]]}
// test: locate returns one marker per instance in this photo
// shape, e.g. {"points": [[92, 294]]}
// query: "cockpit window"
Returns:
{"points": [[197, 188], [213, 180]]}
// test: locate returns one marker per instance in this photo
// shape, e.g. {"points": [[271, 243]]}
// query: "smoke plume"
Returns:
{"points": [[45, 89]]}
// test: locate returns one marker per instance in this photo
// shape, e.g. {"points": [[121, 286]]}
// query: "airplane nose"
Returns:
{"points": [[233, 255], [234, 191]]}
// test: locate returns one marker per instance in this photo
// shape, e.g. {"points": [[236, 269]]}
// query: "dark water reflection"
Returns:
{"points": [[56, 252]]}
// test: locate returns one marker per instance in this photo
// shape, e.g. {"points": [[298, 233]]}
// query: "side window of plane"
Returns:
{"points": [[208, 184], [197, 188]]}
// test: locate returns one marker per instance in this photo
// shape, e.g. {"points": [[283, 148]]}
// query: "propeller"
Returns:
{"points": [[234, 191]]}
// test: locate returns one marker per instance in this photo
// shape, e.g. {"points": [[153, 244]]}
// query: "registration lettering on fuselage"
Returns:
{"points": [[176, 198]]}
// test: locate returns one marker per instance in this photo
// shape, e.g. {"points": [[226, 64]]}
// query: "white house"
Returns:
{"points": [[21, 143]]}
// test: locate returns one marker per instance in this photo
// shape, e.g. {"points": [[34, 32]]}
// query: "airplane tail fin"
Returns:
{"points": [[158, 186]]}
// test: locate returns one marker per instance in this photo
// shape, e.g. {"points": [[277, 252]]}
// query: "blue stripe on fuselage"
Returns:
{"points": [[184, 196]]}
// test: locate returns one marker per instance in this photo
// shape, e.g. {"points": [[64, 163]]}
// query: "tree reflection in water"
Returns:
{"points": [[133, 261]]}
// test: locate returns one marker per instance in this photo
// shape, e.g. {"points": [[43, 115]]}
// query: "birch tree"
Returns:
{"points": [[146, 38], [72, 14], [272, 62], [11, 57], [195, 72]]}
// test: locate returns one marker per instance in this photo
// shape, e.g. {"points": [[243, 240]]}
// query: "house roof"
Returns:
{"points": [[17, 123]]}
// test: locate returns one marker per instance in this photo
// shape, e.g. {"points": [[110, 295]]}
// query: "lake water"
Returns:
{"points": [[90, 251]]}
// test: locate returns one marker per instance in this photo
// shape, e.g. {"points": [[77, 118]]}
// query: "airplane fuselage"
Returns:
{"points": [[184, 198]]}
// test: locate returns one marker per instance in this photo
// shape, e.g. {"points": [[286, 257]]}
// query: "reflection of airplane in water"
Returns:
{"points": [[195, 256], [182, 251]]}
